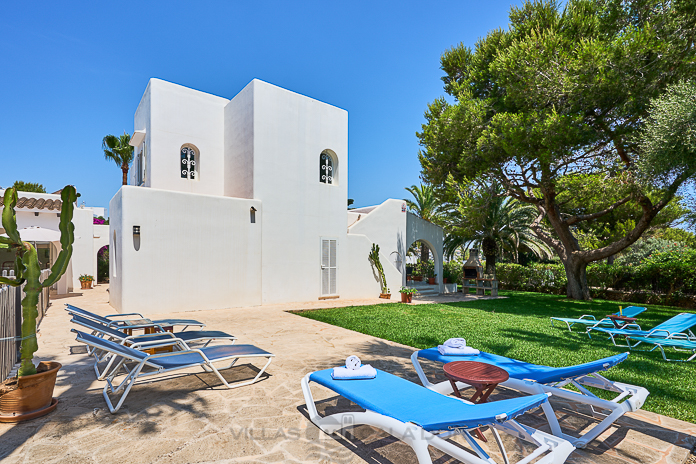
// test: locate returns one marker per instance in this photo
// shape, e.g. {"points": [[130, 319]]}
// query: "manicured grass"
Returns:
{"points": [[519, 327]]}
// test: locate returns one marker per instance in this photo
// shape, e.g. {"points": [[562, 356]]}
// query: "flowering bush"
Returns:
{"points": [[547, 278]]}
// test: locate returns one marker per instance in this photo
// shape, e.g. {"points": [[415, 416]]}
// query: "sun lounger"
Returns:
{"points": [[589, 320], [679, 342], [679, 324], [423, 418], [139, 365], [534, 379], [148, 341], [138, 322]]}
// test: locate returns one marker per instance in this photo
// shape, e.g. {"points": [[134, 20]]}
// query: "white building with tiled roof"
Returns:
{"points": [[43, 210], [242, 202]]}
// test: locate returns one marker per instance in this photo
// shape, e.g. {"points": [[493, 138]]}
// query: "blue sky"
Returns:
{"points": [[74, 72]]}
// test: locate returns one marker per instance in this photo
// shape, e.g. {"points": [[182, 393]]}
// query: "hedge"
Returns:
{"points": [[662, 278]]}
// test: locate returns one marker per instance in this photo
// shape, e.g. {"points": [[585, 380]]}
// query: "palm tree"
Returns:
{"points": [[495, 223], [425, 206], [119, 151]]}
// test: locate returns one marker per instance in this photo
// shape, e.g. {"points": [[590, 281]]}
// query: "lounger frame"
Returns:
{"points": [[662, 342], [134, 368], [419, 439], [630, 398]]}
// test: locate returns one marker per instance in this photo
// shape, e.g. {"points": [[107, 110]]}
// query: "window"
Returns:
{"points": [[188, 162], [139, 165], [327, 167]]}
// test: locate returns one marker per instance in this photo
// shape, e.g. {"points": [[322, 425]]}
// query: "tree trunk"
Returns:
{"points": [[490, 264], [610, 259], [576, 272], [125, 174], [425, 253]]}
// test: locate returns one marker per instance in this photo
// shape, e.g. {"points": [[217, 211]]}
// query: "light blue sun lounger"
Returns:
{"points": [[679, 324], [535, 378], [132, 323], [590, 320], [139, 365], [679, 342], [144, 341], [423, 418]]}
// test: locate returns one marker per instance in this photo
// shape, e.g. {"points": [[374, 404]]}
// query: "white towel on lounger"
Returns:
{"points": [[363, 372], [449, 351], [455, 343]]}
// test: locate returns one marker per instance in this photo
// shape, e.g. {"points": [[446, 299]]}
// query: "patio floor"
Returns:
{"points": [[193, 418]]}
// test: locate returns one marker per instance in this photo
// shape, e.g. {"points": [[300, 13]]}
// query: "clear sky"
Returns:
{"points": [[74, 72]]}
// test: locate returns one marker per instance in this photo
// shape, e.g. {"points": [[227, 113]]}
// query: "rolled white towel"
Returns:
{"points": [[455, 343], [353, 362], [363, 372], [449, 351]]}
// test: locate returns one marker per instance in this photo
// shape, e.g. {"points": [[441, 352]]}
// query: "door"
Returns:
{"points": [[328, 267]]}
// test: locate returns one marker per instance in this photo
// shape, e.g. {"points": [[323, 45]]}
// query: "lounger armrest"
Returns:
{"points": [[134, 338], [109, 316], [662, 333], [679, 336], [630, 326], [588, 316], [162, 344], [177, 353]]}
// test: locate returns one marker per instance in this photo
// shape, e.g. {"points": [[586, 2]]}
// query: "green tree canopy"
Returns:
{"points": [[566, 91], [21, 186]]}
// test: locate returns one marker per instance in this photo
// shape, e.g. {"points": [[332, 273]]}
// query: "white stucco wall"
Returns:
{"points": [[172, 116], [361, 277], [394, 230], [239, 144], [100, 238], [290, 132], [195, 252]]}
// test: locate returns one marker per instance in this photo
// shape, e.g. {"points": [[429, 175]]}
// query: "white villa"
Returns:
{"points": [[42, 210], [243, 202]]}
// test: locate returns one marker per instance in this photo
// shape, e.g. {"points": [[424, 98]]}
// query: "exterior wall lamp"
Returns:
{"points": [[136, 230]]}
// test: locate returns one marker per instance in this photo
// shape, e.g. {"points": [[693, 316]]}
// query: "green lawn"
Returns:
{"points": [[519, 327]]}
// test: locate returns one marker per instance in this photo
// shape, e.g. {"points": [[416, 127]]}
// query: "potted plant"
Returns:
{"points": [[374, 257], [30, 394], [417, 273], [86, 281], [407, 294]]}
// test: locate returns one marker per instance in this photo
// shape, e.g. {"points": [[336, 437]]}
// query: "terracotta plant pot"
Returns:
{"points": [[386, 296], [33, 396], [86, 284], [407, 297], [445, 280], [431, 280], [418, 278]]}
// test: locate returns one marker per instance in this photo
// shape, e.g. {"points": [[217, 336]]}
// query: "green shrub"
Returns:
{"points": [[547, 278], [452, 271]]}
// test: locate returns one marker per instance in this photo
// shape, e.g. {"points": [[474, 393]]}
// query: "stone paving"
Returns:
{"points": [[193, 418]]}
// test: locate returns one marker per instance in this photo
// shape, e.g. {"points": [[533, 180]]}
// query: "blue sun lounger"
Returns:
{"points": [[144, 341], [679, 324], [132, 323], [679, 342], [423, 418], [535, 378], [590, 320], [139, 365]]}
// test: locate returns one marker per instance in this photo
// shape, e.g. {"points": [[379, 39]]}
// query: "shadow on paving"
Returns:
{"points": [[148, 405], [376, 446]]}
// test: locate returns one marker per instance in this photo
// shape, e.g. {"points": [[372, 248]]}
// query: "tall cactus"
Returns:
{"points": [[374, 257], [27, 268]]}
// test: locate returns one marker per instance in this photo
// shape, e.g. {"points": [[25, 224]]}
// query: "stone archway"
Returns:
{"points": [[420, 230]]}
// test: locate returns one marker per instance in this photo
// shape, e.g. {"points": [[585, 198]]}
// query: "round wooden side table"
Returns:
{"points": [[483, 377]]}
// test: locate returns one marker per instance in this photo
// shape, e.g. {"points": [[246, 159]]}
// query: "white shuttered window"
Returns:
{"points": [[328, 267]]}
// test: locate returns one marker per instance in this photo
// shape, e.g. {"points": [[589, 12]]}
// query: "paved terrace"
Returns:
{"points": [[193, 418]]}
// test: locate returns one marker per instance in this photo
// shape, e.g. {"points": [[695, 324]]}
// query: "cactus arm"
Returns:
{"points": [[11, 282], [9, 218], [29, 310], [67, 236]]}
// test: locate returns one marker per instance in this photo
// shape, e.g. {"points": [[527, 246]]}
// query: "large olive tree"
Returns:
{"points": [[565, 92]]}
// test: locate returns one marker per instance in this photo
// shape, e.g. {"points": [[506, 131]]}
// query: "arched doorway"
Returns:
{"points": [[103, 265]]}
